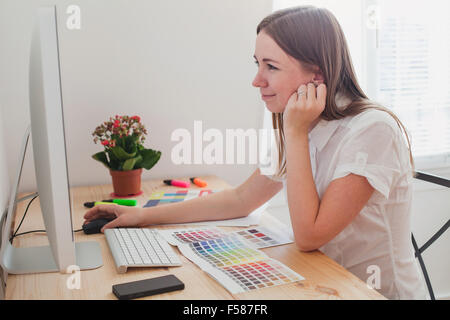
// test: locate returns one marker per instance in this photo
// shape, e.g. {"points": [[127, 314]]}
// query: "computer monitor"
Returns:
{"points": [[50, 161]]}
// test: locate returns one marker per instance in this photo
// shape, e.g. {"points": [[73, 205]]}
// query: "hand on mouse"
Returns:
{"points": [[304, 107], [124, 216]]}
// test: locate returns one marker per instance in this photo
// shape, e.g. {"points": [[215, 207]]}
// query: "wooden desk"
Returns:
{"points": [[325, 279]]}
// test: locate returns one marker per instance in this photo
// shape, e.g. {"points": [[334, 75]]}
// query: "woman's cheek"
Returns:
{"points": [[282, 102]]}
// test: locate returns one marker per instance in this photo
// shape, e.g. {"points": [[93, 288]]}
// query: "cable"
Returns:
{"points": [[15, 234], [32, 231], [23, 217], [22, 233]]}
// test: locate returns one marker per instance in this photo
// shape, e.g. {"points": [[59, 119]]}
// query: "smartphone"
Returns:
{"points": [[147, 287]]}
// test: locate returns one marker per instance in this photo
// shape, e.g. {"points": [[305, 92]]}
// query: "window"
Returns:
{"points": [[413, 72], [403, 62]]}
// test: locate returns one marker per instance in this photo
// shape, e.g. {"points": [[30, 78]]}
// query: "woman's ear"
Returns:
{"points": [[318, 78]]}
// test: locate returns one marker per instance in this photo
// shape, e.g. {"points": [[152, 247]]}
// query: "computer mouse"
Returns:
{"points": [[95, 226]]}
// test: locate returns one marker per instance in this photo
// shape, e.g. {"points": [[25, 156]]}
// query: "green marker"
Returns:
{"points": [[123, 202]]}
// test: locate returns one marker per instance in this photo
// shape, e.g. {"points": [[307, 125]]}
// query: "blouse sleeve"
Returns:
{"points": [[371, 151]]}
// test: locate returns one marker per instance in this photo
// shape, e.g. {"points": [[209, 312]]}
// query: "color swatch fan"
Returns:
{"points": [[233, 258], [181, 236], [257, 237], [236, 266]]}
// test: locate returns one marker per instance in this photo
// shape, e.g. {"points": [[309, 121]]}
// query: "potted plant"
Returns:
{"points": [[124, 155]]}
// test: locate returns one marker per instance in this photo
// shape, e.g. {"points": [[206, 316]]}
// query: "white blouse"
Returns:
{"points": [[376, 246]]}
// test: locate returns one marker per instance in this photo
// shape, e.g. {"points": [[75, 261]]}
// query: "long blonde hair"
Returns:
{"points": [[314, 37]]}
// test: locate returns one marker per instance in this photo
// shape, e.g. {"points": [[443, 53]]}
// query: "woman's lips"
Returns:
{"points": [[267, 97]]}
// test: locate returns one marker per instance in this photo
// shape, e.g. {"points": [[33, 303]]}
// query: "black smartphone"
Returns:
{"points": [[147, 287]]}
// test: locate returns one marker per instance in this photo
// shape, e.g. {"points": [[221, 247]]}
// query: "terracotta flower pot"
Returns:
{"points": [[126, 183]]}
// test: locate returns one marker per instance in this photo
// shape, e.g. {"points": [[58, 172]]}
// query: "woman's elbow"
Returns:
{"points": [[306, 244], [306, 248]]}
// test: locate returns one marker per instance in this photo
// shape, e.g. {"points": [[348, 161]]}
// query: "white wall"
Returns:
{"points": [[4, 175], [171, 62], [4, 194]]}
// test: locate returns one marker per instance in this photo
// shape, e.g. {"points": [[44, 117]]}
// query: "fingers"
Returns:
{"points": [[322, 94], [307, 93], [101, 211], [113, 224], [300, 113], [290, 103], [291, 100], [315, 95], [311, 98], [302, 94]]}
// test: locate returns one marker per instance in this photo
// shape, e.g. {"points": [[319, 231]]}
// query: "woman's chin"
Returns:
{"points": [[274, 108]]}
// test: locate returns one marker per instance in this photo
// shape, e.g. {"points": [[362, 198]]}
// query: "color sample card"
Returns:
{"points": [[238, 266], [257, 237], [180, 236], [225, 251], [257, 275], [261, 237], [163, 197]]}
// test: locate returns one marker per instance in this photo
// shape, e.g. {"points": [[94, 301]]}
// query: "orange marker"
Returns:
{"points": [[199, 182]]}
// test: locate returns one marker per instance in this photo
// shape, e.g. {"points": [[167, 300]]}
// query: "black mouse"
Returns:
{"points": [[95, 226]]}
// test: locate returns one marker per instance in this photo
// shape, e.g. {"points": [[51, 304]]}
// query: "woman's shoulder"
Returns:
{"points": [[373, 118]]}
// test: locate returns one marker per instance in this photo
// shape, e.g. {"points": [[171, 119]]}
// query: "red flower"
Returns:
{"points": [[121, 126]]}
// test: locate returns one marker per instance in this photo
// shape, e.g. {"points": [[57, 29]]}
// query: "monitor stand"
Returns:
{"points": [[39, 259]]}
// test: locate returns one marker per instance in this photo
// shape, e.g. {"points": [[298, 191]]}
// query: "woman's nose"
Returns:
{"points": [[259, 81]]}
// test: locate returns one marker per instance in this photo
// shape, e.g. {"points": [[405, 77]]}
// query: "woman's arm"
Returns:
{"points": [[228, 204], [315, 222]]}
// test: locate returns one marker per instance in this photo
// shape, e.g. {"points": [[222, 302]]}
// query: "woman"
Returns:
{"points": [[343, 160]]}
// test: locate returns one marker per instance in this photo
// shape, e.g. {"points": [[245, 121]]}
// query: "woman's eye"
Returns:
{"points": [[271, 67]]}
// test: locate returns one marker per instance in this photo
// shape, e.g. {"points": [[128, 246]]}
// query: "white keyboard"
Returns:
{"points": [[132, 247]]}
